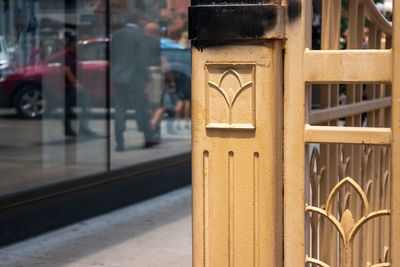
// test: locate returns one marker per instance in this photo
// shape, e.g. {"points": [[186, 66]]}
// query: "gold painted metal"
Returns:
{"points": [[341, 207], [347, 227], [298, 39], [355, 151], [350, 66], [395, 182], [337, 112], [234, 85], [347, 135], [237, 143]]}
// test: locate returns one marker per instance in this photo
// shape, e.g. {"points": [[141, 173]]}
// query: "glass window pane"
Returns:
{"points": [[53, 99], [69, 109], [150, 80]]}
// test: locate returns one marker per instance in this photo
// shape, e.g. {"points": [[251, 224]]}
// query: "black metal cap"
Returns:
{"points": [[228, 20]]}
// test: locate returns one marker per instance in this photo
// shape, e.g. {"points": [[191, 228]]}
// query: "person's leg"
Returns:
{"points": [[69, 100], [178, 109], [119, 123], [187, 109], [143, 120], [156, 117], [187, 113], [178, 112], [147, 131], [120, 117]]}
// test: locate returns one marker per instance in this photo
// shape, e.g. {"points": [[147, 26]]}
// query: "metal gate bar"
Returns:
{"points": [[395, 191]]}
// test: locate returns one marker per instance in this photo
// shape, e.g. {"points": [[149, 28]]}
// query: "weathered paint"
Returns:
{"points": [[235, 22], [346, 179], [237, 141], [293, 9]]}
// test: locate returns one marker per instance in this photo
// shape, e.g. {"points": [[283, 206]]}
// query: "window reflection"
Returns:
{"points": [[57, 78], [130, 75], [150, 78]]}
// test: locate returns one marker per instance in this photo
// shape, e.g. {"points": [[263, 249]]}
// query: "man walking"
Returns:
{"points": [[130, 75]]}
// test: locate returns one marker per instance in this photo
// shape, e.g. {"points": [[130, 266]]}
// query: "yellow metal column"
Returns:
{"points": [[237, 135], [395, 190], [299, 38]]}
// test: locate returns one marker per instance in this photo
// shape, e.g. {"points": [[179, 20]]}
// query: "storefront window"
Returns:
{"points": [[150, 81], [88, 86]]}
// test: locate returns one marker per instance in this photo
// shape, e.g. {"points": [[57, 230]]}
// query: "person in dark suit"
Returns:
{"points": [[130, 75]]}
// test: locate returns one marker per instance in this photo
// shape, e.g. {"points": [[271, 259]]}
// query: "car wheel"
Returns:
{"points": [[30, 102]]}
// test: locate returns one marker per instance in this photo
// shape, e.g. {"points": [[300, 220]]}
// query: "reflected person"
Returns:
{"points": [[154, 87], [74, 90], [129, 76]]}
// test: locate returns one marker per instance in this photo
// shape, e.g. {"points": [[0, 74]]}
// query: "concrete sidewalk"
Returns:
{"points": [[155, 232]]}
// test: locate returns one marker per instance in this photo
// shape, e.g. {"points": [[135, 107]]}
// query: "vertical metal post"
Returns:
{"points": [[237, 132], [395, 217], [294, 149]]}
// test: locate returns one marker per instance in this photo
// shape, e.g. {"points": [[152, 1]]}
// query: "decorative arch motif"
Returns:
{"points": [[346, 227], [228, 84], [231, 94]]}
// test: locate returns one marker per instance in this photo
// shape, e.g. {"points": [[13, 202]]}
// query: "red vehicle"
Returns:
{"points": [[38, 88]]}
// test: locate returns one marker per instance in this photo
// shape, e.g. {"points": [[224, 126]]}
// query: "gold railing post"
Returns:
{"points": [[237, 132], [395, 201], [299, 38]]}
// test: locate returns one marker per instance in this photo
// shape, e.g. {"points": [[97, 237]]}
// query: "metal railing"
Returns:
{"points": [[348, 182]]}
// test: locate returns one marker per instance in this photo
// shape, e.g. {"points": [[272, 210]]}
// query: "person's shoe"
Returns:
{"points": [[119, 148], [149, 144], [70, 132]]}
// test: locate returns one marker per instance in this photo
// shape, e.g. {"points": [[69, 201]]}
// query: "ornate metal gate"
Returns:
{"points": [[295, 147]]}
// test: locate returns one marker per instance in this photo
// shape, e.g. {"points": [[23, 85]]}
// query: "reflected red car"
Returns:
{"points": [[38, 88]]}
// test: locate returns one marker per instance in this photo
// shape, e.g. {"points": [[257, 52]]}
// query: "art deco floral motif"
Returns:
{"points": [[230, 94], [346, 227]]}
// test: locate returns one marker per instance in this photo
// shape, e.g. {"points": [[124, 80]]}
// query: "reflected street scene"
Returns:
{"points": [[87, 88]]}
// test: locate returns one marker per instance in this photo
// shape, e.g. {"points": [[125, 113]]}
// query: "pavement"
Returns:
{"points": [[152, 233]]}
